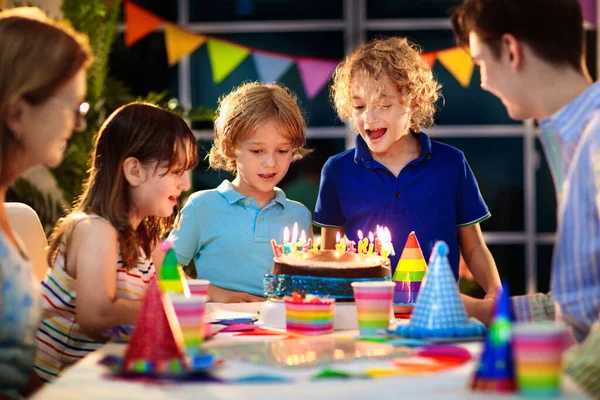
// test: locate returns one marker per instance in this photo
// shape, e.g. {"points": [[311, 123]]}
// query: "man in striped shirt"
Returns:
{"points": [[531, 57]]}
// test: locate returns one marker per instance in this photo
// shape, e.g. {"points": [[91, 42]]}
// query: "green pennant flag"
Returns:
{"points": [[224, 58]]}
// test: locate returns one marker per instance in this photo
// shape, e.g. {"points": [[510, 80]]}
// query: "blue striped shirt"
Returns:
{"points": [[576, 261]]}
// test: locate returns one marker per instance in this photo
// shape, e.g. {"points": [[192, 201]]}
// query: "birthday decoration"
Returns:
{"points": [[439, 311], [225, 56], [409, 273], [171, 277], [496, 368]]}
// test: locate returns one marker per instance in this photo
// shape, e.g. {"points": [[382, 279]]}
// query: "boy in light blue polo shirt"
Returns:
{"points": [[396, 176], [259, 131]]}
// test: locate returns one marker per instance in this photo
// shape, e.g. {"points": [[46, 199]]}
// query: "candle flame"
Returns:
{"points": [[286, 235], [371, 238], [302, 239], [294, 232], [387, 235], [360, 234], [338, 236]]}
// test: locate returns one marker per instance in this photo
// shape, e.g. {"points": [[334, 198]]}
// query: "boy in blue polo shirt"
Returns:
{"points": [[396, 176], [259, 131]]}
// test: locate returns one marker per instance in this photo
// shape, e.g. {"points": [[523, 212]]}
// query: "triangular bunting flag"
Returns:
{"points": [[180, 43], [315, 74], [429, 58], [409, 272], [139, 23], [458, 62], [224, 58], [271, 68]]}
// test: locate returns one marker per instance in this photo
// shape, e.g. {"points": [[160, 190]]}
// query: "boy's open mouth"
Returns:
{"points": [[267, 176], [375, 134]]}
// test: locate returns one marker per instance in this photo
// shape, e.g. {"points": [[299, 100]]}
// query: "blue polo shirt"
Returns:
{"points": [[229, 236], [433, 195]]}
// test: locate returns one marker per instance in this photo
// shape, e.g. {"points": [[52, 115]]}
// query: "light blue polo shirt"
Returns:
{"points": [[433, 195], [229, 236]]}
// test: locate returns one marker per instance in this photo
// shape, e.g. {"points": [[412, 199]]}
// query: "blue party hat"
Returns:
{"points": [[496, 369], [439, 311]]}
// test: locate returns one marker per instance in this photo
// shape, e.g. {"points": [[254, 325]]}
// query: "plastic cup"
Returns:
{"points": [[538, 349], [373, 306], [189, 316], [309, 318], [198, 286]]}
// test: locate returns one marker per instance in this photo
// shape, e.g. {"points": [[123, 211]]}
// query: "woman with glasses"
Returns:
{"points": [[42, 88]]}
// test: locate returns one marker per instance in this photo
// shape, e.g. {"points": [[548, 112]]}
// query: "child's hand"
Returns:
{"points": [[219, 295]]}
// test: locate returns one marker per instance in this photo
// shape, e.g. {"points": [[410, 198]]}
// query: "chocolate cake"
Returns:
{"points": [[332, 264]]}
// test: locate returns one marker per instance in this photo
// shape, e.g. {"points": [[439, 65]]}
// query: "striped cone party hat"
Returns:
{"points": [[409, 273], [439, 311]]}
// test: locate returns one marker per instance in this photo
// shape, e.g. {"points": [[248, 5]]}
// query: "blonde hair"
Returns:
{"points": [[402, 62], [246, 108], [37, 56]]}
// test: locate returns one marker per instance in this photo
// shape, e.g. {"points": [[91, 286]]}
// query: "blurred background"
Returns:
{"points": [[505, 155]]}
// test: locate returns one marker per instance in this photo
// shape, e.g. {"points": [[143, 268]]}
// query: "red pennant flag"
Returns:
{"points": [[139, 23]]}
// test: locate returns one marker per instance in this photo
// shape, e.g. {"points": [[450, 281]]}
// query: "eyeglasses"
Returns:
{"points": [[81, 111]]}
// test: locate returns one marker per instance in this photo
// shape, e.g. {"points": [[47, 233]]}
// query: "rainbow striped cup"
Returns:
{"points": [[373, 305], [308, 318], [538, 348], [189, 316], [198, 286]]}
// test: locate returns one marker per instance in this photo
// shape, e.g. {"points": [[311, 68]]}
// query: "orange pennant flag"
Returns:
{"points": [[180, 43], [429, 58], [139, 23], [459, 63]]}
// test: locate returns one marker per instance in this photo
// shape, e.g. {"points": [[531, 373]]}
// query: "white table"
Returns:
{"points": [[85, 379]]}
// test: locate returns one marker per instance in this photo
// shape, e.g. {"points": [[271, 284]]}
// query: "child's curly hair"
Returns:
{"points": [[246, 108], [402, 62]]}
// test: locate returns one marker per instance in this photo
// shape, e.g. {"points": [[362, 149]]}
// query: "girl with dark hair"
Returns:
{"points": [[101, 252]]}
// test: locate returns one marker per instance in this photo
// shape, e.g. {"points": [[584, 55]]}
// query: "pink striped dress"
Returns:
{"points": [[60, 340]]}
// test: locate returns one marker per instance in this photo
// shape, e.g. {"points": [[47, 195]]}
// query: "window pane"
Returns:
{"points": [[259, 10], [318, 110], [502, 187], [143, 67], [545, 194], [459, 105], [544, 267], [410, 9], [510, 260]]}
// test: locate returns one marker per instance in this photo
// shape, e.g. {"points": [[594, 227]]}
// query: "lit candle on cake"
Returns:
{"points": [[370, 253], [302, 244], [294, 237], [316, 245], [351, 248], [386, 243], [340, 245], [388, 238], [286, 241], [362, 243], [378, 235]]}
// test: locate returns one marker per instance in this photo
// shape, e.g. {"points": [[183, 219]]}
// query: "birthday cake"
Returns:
{"points": [[332, 264], [324, 272]]}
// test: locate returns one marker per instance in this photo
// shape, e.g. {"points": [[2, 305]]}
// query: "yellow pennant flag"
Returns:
{"points": [[459, 63], [180, 43], [224, 58]]}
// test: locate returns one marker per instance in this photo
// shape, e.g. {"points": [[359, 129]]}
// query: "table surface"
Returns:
{"points": [[86, 379]]}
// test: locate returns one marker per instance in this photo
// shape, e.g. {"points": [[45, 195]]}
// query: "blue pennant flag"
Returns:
{"points": [[271, 68]]}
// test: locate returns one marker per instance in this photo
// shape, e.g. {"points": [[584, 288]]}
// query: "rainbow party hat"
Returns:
{"points": [[496, 369], [409, 273], [170, 276], [439, 311]]}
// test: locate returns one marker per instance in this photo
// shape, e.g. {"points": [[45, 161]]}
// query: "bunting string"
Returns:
{"points": [[225, 56]]}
